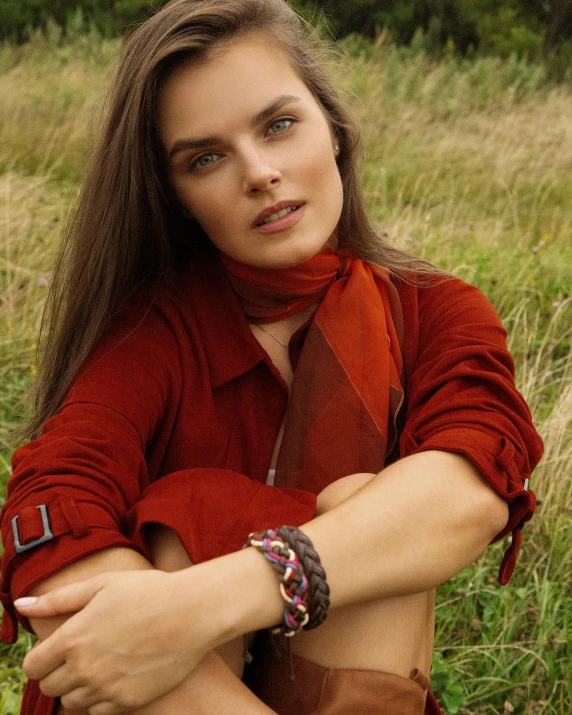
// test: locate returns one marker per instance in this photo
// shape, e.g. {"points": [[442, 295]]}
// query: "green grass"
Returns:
{"points": [[468, 164]]}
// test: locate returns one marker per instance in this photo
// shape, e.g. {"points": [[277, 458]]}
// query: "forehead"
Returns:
{"points": [[236, 80]]}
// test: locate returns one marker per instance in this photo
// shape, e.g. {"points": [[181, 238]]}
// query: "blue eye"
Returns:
{"points": [[279, 121], [197, 163]]}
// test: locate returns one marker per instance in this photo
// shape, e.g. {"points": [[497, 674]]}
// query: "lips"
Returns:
{"points": [[274, 209]]}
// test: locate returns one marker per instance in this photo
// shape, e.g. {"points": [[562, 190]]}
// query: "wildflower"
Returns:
{"points": [[42, 281]]}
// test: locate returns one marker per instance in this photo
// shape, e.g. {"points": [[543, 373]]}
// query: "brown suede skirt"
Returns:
{"points": [[316, 690]]}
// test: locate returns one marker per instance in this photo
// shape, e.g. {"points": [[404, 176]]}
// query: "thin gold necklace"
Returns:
{"points": [[286, 345]]}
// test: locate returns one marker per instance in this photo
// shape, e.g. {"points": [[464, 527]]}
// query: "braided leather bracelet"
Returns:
{"points": [[293, 581], [318, 589]]}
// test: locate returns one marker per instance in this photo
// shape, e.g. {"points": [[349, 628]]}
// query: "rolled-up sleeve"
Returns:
{"points": [[462, 398], [71, 487]]}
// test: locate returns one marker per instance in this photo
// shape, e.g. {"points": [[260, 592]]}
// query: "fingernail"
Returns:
{"points": [[27, 601]]}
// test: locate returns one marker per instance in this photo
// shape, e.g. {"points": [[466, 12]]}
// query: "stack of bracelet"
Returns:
{"points": [[303, 583]]}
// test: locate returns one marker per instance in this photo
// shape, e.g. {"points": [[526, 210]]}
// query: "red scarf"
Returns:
{"points": [[346, 392]]}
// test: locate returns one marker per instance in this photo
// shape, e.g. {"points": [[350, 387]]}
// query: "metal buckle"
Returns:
{"points": [[525, 485], [46, 536]]}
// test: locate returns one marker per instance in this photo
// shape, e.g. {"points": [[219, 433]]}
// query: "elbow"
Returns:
{"points": [[493, 515]]}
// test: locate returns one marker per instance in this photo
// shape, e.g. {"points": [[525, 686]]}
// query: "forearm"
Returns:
{"points": [[411, 528], [114, 559], [212, 689], [415, 525]]}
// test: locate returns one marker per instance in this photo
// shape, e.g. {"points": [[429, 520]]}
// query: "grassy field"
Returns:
{"points": [[466, 164]]}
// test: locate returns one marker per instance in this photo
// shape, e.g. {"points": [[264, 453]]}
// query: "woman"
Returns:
{"points": [[231, 349]]}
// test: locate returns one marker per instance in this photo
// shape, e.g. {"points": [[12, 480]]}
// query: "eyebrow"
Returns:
{"points": [[277, 104]]}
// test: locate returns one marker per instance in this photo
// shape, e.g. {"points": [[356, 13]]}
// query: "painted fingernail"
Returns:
{"points": [[27, 601]]}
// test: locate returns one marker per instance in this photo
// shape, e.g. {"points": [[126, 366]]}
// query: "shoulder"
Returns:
{"points": [[164, 332], [139, 335], [430, 299], [443, 313]]}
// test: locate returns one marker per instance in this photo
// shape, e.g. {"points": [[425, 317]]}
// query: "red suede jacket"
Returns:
{"points": [[180, 383]]}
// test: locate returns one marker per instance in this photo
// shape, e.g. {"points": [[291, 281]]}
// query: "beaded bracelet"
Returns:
{"points": [[293, 580]]}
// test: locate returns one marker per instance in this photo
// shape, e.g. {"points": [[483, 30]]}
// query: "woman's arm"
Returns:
{"points": [[198, 687], [212, 687], [412, 527], [409, 529], [108, 560], [114, 559]]}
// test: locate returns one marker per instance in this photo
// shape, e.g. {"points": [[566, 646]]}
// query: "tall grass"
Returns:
{"points": [[466, 164]]}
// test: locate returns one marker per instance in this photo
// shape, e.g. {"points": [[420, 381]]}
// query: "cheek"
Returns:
{"points": [[212, 220], [207, 207], [321, 167], [327, 182]]}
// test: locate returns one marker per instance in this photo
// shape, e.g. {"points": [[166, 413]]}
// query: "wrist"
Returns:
{"points": [[258, 601], [238, 593], [241, 590]]}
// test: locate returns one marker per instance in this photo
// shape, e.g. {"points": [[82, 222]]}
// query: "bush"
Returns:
{"points": [[527, 29], [18, 18]]}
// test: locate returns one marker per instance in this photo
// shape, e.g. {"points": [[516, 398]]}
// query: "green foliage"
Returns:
{"points": [[19, 18], [526, 28], [505, 34], [529, 29]]}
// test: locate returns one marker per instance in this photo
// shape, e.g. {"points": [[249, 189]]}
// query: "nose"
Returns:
{"points": [[259, 171]]}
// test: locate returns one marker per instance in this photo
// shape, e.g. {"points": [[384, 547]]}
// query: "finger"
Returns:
{"points": [[80, 699], [59, 682], [67, 599], [45, 657]]}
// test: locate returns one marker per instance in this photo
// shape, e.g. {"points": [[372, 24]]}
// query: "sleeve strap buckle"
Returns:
{"points": [[46, 536]]}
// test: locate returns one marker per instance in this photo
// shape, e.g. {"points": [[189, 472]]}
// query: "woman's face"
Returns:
{"points": [[242, 133]]}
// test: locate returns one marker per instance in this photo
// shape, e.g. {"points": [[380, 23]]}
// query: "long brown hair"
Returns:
{"points": [[127, 230]]}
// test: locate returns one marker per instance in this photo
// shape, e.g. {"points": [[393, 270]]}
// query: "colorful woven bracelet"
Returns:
{"points": [[293, 581]]}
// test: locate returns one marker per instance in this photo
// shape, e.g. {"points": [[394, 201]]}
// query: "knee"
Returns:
{"points": [[340, 490], [167, 551]]}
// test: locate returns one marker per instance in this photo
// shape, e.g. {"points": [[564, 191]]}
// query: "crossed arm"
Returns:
{"points": [[212, 686], [410, 528]]}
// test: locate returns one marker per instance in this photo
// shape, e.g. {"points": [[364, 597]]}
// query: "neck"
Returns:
{"points": [[270, 296], [287, 326]]}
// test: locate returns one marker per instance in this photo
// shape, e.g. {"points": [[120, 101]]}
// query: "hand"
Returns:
{"points": [[133, 639]]}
